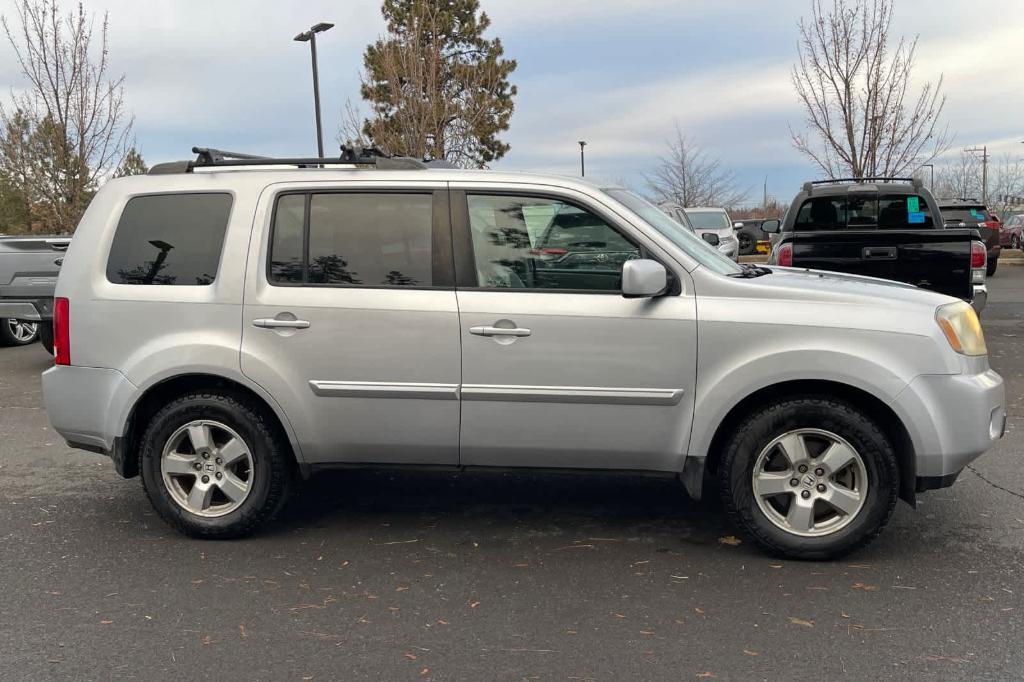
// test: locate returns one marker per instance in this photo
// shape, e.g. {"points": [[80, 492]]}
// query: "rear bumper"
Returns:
{"points": [[87, 405], [33, 310], [979, 297], [953, 419]]}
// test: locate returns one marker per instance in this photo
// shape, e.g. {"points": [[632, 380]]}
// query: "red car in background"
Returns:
{"points": [[1010, 232]]}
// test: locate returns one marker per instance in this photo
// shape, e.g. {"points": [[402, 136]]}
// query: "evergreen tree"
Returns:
{"points": [[437, 88]]}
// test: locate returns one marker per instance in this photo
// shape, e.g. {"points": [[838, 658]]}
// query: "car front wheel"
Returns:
{"points": [[213, 466], [809, 478]]}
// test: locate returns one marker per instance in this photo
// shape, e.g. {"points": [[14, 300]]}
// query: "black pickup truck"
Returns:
{"points": [[29, 267], [880, 227]]}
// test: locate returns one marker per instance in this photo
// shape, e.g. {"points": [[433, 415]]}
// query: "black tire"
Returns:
{"points": [[272, 473], [747, 246], [990, 270], [818, 412], [1015, 242], [8, 337], [46, 336]]}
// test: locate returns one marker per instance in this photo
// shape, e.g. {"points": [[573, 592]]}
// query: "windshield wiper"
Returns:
{"points": [[751, 270]]}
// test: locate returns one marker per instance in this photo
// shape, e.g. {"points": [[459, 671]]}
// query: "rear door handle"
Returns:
{"points": [[273, 323], [878, 253], [499, 331]]}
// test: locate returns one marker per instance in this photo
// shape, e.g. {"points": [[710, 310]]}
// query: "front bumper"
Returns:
{"points": [[953, 419]]}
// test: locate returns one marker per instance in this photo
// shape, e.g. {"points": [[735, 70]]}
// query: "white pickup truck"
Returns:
{"points": [[28, 275]]}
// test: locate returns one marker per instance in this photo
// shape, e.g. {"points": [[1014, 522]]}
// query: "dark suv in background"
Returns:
{"points": [[972, 213]]}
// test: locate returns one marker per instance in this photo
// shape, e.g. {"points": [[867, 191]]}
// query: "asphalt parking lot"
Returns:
{"points": [[497, 576]]}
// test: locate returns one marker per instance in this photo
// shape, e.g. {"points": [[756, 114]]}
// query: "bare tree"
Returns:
{"points": [[68, 130], [961, 178], [688, 176], [862, 119]]}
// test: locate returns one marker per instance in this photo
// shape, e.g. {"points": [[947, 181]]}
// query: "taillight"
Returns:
{"points": [[61, 331], [978, 255], [785, 258]]}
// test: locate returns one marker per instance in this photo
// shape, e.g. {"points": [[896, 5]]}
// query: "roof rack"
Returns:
{"points": [[810, 185], [351, 155]]}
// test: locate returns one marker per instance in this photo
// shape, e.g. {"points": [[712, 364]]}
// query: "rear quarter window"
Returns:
{"points": [[170, 239]]}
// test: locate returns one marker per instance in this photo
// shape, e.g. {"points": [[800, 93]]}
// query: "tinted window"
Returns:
{"points": [[357, 239], [866, 211], [903, 212], [968, 215], [169, 239], [535, 243]]}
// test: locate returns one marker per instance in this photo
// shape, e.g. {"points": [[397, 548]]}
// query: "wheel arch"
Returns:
{"points": [[890, 423], [161, 392]]}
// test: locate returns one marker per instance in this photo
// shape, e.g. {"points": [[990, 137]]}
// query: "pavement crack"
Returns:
{"points": [[994, 484]]}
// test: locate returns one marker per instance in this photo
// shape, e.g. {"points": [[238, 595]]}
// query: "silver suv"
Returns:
{"points": [[223, 331]]}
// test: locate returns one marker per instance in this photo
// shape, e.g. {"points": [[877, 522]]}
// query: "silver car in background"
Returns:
{"points": [[707, 220], [221, 331]]}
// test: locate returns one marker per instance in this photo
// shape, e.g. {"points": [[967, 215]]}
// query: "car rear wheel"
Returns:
{"points": [[213, 466], [18, 332], [809, 478], [991, 269]]}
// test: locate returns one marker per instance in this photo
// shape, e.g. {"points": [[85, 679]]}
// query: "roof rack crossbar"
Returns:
{"points": [[351, 155]]}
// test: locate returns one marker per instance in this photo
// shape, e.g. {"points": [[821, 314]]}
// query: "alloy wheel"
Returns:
{"points": [[810, 482], [207, 468], [22, 331]]}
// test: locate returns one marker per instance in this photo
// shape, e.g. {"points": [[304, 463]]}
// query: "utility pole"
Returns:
{"points": [[984, 170], [931, 167], [764, 201], [583, 169]]}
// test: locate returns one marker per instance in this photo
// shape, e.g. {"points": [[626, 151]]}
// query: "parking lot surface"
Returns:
{"points": [[497, 576]]}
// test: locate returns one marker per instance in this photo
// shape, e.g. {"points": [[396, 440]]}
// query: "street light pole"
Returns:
{"points": [[310, 37], [583, 169]]}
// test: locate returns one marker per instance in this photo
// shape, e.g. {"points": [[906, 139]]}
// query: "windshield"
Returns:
{"points": [[694, 246], [708, 220]]}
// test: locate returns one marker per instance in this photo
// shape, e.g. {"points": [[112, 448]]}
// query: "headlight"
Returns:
{"points": [[960, 324]]}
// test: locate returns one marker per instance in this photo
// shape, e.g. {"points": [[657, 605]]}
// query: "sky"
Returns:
{"points": [[620, 74]]}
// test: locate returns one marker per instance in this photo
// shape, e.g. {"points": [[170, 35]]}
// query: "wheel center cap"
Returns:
{"points": [[808, 481], [210, 466]]}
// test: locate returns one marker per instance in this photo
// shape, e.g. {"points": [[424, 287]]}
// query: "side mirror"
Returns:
{"points": [[711, 238], [643, 278], [771, 226], [737, 226]]}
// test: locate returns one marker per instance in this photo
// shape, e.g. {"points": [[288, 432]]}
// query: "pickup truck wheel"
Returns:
{"points": [[46, 336], [212, 466], [18, 332], [991, 268], [809, 478]]}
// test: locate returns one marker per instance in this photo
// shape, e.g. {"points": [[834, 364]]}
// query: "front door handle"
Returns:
{"points": [[274, 323], [499, 331]]}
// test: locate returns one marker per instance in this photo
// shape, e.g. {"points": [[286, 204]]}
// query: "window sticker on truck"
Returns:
{"points": [[915, 217], [914, 206]]}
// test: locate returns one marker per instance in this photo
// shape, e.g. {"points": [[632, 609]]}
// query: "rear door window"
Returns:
{"points": [[377, 239], [169, 239]]}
